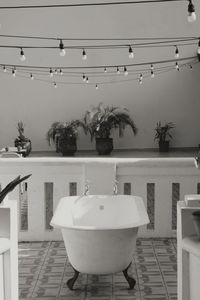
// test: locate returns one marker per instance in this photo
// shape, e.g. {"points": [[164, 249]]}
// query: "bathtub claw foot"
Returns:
{"points": [[131, 281], [71, 281]]}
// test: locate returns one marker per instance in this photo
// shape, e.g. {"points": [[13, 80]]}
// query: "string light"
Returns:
{"points": [[84, 78], [176, 52], [87, 80], [14, 72], [190, 67], [191, 12], [84, 55], [51, 73], [177, 66], [141, 76], [31, 76], [97, 87], [152, 67], [125, 71], [56, 72], [140, 81], [22, 56], [61, 72], [131, 54], [55, 85], [105, 70], [198, 49], [152, 74], [62, 48], [4, 69], [118, 71]]}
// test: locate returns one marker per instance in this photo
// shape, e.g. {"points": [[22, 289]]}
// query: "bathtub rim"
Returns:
{"points": [[144, 220]]}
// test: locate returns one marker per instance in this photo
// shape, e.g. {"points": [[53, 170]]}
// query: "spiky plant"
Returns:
{"points": [[21, 136], [65, 130], [163, 132], [101, 120]]}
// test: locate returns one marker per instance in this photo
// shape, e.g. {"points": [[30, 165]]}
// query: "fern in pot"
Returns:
{"points": [[102, 120], [64, 136], [163, 135]]}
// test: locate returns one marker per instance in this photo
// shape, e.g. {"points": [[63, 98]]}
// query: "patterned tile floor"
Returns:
{"points": [[44, 270]]}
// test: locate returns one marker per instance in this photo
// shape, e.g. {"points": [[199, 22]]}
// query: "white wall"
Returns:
{"points": [[172, 96]]}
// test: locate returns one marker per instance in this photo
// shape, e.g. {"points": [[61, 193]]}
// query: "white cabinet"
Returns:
{"points": [[8, 250], [188, 254]]}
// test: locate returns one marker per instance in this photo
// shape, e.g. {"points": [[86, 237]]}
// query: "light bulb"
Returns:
{"points": [[14, 72], [152, 74], [62, 48], [97, 87], [55, 85], [61, 72], [118, 71], [31, 76], [176, 52], [125, 71], [177, 66], [84, 55], [190, 67], [191, 12], [87, 80], [56, 71], [50, 73], [4, 69], [140, 81], [152, 67], [105, 70], [141, 76], [131, 54], [22, 56], [84, 77]]}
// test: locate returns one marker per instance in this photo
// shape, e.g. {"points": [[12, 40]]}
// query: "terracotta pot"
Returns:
{"points": [[164, 146], [67, 146], [104, 146], [196, 221]]}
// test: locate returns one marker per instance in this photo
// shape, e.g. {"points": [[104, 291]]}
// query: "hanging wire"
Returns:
{"points": [[87, 4]]}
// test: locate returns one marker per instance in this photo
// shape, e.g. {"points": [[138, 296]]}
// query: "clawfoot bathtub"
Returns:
{"points": [[99, 232]]}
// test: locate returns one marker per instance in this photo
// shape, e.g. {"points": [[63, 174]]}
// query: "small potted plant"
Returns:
{"points": [[21, 140], [163, 135], [64, 136], [100, 122]]}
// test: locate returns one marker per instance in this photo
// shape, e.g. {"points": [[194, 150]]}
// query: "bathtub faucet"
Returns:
{"points": [[87, 186], [115, 187], [197, 159]]}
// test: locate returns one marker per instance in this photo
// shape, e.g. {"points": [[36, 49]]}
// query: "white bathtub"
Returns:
{"points": [[100, 231]]}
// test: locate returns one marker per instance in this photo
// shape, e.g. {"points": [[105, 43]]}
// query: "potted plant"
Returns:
{"points": [[64, 136], [21, 140], [100, 122], [163, 135]]}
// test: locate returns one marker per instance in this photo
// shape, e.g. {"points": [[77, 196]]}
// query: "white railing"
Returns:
{"points": [[161, 182]]}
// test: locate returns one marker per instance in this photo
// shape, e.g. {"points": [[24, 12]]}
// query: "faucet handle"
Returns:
{"points": [[87, 187], [115, 187]]}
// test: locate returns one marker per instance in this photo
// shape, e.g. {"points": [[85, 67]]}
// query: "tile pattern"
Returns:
{"points": [[48, 196], [23, 200], [44, 270], [127, 188], [73, 188], [175, 198], [198, 188], [151, 205]]}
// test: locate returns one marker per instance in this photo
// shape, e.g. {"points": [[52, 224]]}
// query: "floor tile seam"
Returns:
{"points": [[63, 274], [162, 276], [49, 246], [136, 271]]}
